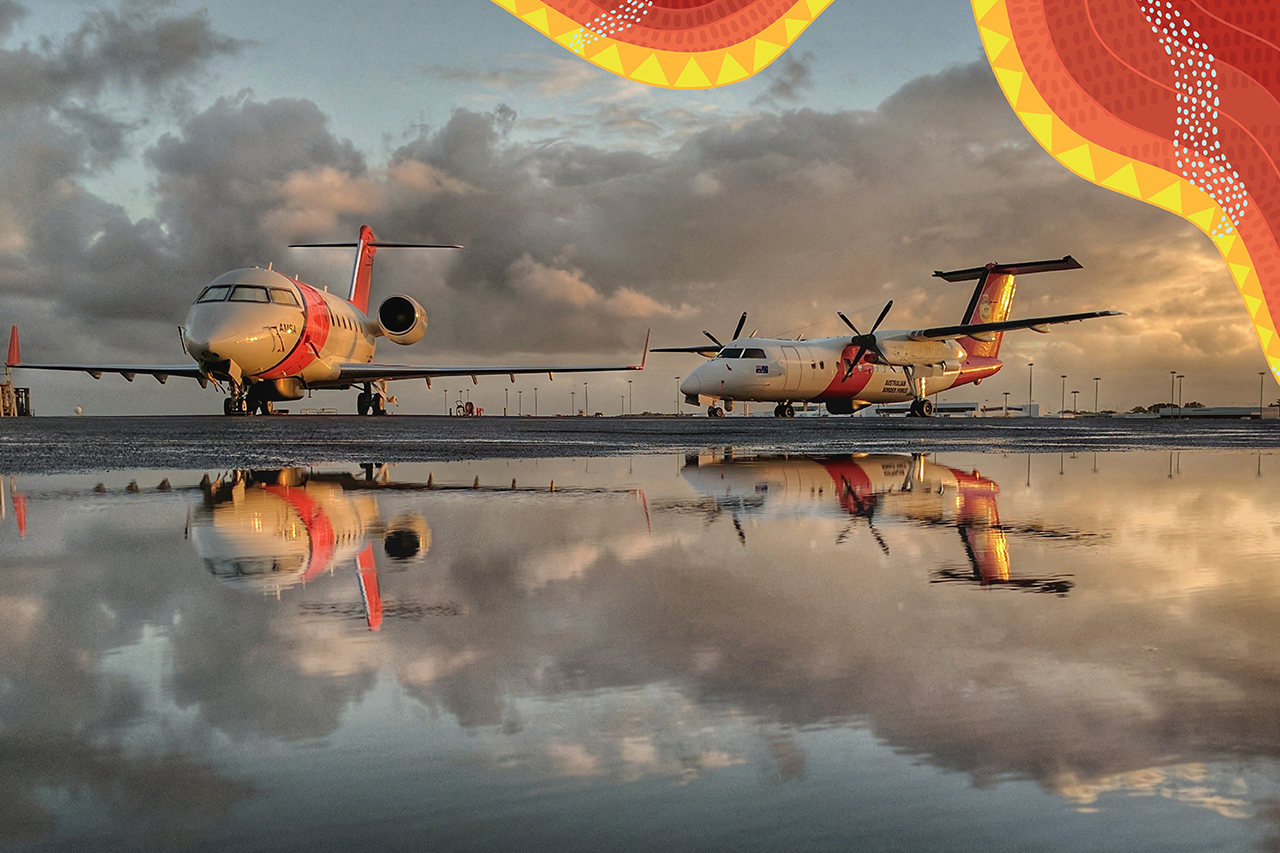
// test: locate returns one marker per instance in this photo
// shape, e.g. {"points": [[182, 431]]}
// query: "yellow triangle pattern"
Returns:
{"points": [[1122, 174], [667, 68]]}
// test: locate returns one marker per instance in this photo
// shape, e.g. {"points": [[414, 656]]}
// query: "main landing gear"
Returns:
{"points": [[242, 404], [784, 410], [714, 411], [371, 402], [922, 408]]}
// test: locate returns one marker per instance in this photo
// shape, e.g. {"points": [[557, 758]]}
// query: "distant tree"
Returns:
{"points": [[1193, 405], [1138, 410]]}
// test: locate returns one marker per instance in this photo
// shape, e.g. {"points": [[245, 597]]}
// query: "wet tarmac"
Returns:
{"points": [[35, 445]]}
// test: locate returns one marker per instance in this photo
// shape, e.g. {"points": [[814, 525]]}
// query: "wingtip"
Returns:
{"points": [[644, 354]]}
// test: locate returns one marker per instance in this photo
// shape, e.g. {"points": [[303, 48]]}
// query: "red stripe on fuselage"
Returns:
{"points": [[315, 332], [319, 528]]}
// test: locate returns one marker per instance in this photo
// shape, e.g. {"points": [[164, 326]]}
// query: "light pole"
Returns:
{"points": [[506, 401], [631, 409], [1180, 378], [1073, 402], [677, 396], [573, 403], [1096, 380], [520, 403], [622, 406], [1030, 378], [1062, 407], [1173, 377], [1261, 378], [586, 401], [535, 401], [1006, 404], [446, 401]]}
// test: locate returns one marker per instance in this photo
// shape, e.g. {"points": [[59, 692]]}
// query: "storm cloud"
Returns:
{"points": [[577, 246]]}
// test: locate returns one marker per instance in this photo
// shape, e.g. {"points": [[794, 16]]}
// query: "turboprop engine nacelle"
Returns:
{"points": [[402, 320]]}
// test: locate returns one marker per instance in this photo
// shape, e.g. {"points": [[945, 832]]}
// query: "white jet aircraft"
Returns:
{"points": [[877, 367], [272, 338]]}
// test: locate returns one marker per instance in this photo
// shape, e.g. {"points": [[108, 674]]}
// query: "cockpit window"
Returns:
{"points": [[731, 353], [217, 293], [283, 297], [249, 293], [753, 352]]}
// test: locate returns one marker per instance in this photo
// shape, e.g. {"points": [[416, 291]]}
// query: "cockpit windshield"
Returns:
{"points": [[217, 293], [735, 352], [753, 352], [249, 293], [283, 297]]}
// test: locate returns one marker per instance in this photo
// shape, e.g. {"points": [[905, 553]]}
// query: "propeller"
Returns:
{"points": [[861, 341], [742, 321]]}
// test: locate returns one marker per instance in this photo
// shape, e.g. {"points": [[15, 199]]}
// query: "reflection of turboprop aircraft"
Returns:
{"points": [[273, 338], [879, 367], [273, 530], [19, 507], [870, 487]]}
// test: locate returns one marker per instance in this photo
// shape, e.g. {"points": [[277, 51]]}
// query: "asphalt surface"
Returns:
{"points": [[56, 445]]}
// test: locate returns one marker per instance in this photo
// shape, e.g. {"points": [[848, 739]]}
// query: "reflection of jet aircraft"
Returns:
{"points": [[871, 488], [273, 530], [273, 338]]}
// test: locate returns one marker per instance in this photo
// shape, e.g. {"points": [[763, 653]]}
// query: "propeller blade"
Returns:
{"points": [[880, 319], [884, 546], [848, 323], [742, 321], [854, 363], [713, 338]]}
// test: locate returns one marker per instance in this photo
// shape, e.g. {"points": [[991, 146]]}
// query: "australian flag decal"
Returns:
{"points": [[762, 368]]}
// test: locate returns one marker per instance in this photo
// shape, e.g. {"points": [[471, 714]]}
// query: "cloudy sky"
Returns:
{"points": [[147, 146]]}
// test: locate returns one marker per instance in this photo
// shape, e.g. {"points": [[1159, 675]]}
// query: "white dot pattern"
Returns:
{"points": [[1198, 151], [608, 23]]}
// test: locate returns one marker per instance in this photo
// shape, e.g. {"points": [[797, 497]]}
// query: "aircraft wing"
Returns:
{"points": [[161, 372], [940, 332], [705, 349], [352, 373]]}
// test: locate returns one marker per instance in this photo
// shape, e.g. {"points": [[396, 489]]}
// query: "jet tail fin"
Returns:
{"points": [[366, 247]]}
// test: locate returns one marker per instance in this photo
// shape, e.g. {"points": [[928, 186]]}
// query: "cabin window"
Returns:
{"points": [[753, 352], [249, 293], [822, 365], [283, 297], [217, 293], [731, 353]]}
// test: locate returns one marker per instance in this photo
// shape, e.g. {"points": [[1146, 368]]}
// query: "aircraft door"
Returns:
{"points": [[792, 367]]}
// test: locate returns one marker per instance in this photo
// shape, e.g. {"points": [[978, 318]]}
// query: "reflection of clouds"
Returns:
{"points": [[586, 648], [1193, 784]]}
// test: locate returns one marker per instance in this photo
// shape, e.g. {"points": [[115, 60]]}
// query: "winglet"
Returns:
{"points": [[644, 354], [15, 358]]}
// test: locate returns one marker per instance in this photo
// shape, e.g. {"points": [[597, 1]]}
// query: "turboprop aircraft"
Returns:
{"points": [[877, 367], [272, 338]]}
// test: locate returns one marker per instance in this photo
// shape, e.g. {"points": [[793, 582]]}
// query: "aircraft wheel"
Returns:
{"points": [[719, 412], [228, 407], [926, 408], [780, 411], [362, 404], [789, 411], [379, 404]]}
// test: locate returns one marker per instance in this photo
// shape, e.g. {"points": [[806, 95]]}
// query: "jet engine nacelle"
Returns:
{"points": [[407, 539], [402, 320]]}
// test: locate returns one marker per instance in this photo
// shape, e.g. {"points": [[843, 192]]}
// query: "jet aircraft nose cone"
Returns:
{"points": [[692, 384]]}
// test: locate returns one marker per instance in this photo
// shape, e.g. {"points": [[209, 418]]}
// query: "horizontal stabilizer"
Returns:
{"points": [[972, 329], [376, 245], [975, 273]]}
